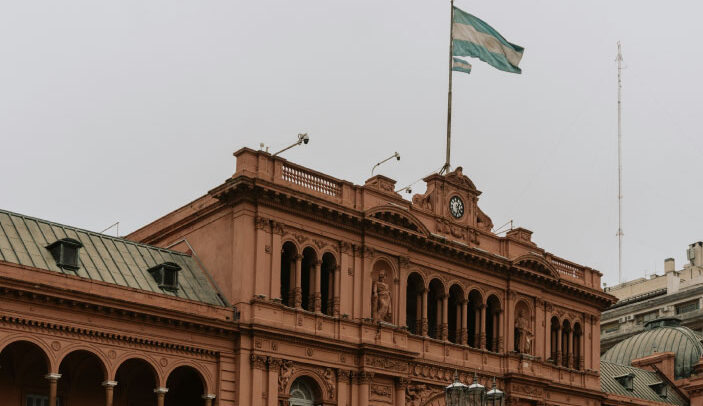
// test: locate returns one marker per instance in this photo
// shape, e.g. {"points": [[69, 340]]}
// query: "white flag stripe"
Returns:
{"points": [[468, 33]]}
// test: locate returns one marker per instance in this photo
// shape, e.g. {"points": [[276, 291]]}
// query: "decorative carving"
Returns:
{"points": [[381, 392], [367, 252], [344, 247], [329, 377], [274, 346], [287, 371], [267, 248], [278, 228], [320, 244], [55, 345], [258, 343], [350, 271], [163, 362], [381, 303], [404, 262], [530, 390], [274, 364], [308, 352], [364, 377], [417, 394], [261, 223], [385, 363], [258, 361], [300, 238]]}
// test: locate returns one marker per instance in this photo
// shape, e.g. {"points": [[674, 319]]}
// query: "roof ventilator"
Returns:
{"points": [[660, 388], [627, 381], [166, 275], [65, 253]]}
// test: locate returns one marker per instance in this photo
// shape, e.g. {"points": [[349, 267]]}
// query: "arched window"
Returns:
{"points": [[329, 265], [289, 254], [492, 323], [456, 300], [307, 280], [554, 340], [413, 303], [577, 347], [566, 355], [435, 298], [474, 318], [301, 393]]}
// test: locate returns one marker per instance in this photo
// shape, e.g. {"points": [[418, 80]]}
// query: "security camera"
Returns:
{"points": [[304, 138], [397, 156]]}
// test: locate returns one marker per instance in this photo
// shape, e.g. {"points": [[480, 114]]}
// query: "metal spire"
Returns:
{"points": [[620, 234]]}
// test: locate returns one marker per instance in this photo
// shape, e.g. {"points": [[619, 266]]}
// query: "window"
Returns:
{"points": [[627, 381], [166, 275], [610, 328], [65, 253], [687, 307], [643, 318]]}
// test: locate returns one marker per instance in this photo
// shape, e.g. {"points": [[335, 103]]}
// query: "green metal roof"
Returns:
{"points": [[682, 341], [641, 388], [23, 241]]}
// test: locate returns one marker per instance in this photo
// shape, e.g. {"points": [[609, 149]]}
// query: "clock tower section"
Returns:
{"points": [[452, 199]]}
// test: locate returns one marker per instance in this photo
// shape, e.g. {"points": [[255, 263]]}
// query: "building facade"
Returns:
{"points": [[677, 293], [351, 295]]}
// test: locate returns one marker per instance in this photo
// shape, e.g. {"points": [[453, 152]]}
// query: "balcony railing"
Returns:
{"points": [[566, 268], [310, 180]]}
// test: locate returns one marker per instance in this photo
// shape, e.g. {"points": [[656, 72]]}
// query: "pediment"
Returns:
{"points": [[537, 264], [398, 217]]}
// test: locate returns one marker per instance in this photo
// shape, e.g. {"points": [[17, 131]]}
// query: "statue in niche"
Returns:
{"points": [[381, 299], [523, 333]]}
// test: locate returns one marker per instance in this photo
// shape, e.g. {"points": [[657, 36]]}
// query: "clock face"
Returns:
{"points": [[456, 207]]}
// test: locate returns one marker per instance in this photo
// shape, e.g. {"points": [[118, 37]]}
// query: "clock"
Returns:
{"points": [[456, 207]]}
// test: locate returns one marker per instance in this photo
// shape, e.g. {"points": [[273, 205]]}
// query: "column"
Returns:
{"points": [[494, 332], [582, 351], [457, 324], [424, 312], [317, 294], [160, 395], [258, 367], [570, 348], [298, 292], [364, 381], [109, 391], [53, 383], [438, 319], [477, 327], [499, 331], [559, 343], [209, 397], [463, 331], [400, 385], [343, 377], [445, 318], [418, 313], [276, 246], [483, 326], [337, 290], [274, 365]]}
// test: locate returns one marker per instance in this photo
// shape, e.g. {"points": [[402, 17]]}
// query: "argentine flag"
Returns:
{"points": [[473, 37]]}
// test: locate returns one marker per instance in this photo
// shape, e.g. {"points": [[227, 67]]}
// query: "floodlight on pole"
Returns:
{"points": [[395, 155], [303, 138]]}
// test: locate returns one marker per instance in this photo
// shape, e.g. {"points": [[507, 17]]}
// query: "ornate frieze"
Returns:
{"points": [[381, 392], [417, 393], [385, 363]]}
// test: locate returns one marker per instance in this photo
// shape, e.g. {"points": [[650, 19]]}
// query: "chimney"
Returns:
{"points": [[672, 277], [658, 362], [695, 253]]}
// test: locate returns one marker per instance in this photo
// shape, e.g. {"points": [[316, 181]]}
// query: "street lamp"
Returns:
{"points": [[495, 396], [458, 394], [477, 393]]}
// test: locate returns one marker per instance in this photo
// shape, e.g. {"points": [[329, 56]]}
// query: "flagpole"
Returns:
{"points": [[445, 168]]}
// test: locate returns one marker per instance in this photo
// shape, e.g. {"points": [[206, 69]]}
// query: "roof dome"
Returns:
{"points": [[662, 335]]}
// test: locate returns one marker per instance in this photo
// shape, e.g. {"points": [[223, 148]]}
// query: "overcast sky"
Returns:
{"points": [[125, 110]]}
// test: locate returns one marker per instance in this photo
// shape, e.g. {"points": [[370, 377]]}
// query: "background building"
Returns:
{"points": [[676, 293]]}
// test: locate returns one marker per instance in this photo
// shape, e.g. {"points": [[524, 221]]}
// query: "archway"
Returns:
{"points": [[289, 254], [456, 300], [185, 387], [82, 375], [435, 297], [304, 392], [136, 381], [413, 303], [23, 367], [307, 280], [474, 318], [492, 323], [329, 265]]}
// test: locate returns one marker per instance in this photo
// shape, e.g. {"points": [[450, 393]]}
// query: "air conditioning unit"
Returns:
{"points": [[622, 320], [630, 317]]}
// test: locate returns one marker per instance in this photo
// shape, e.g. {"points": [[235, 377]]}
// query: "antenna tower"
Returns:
{"points": [[620, 233]]}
